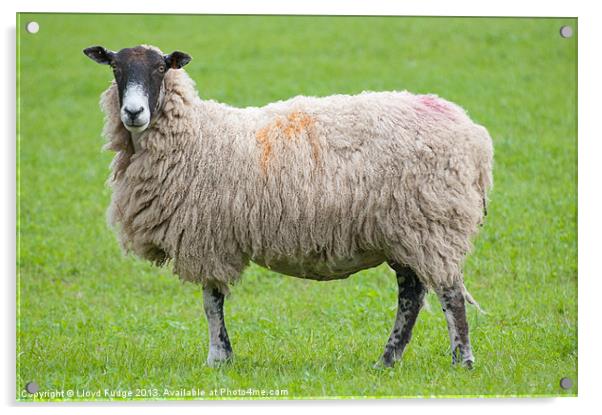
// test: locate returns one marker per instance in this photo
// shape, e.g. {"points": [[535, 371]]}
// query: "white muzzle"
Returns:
{"points": [[135, 112]]}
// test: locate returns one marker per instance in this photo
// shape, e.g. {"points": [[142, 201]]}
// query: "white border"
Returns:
{"points": [[589, 173], [346, 7]]}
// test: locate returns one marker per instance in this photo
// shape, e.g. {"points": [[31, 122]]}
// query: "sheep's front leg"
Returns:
{"points": [[452, 302], [220, 350], [409, 301]]}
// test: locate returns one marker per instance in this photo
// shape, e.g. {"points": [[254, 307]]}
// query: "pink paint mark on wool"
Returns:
{"points": [[433, 104]]}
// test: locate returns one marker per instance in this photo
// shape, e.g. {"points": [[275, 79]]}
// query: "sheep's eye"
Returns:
{"points": [[161, 68]]}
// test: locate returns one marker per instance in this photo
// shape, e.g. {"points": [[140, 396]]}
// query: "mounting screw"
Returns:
{"points": [[566, 383], [32, 387], [32, 27], [566, 31]]}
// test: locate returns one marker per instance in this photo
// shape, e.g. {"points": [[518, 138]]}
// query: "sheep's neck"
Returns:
{"points": [[135, 137]]}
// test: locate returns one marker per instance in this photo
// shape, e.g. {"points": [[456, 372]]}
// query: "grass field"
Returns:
{"points": [[91, 319]]}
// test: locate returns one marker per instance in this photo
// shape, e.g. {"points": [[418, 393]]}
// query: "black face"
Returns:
{"points": [[139, 74]]}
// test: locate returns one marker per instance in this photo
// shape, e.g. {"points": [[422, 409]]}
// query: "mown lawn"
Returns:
{"points": [[91, 319]]}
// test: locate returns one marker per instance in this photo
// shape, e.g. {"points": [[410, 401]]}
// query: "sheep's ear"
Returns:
{"points": [[176, 60], [100, 54]]}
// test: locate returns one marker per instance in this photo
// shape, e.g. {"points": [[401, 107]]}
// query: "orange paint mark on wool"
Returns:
{"points": [[263, 138], [292, 127], [297, 123]]}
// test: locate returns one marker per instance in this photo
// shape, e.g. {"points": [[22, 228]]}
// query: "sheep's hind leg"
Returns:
{"points": [[220, 350], [452, 302], [409, 301]]}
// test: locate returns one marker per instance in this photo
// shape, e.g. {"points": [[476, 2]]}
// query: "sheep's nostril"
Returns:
{"points": [[133, 113]]}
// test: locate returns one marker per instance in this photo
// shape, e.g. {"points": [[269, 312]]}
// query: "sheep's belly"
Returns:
{"points": [[316, 268]]}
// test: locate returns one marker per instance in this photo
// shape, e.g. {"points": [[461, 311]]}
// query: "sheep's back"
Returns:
{"points": [[370, 174]]}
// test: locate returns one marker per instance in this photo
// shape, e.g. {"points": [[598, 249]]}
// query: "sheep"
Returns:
{"points": [[316, 188]]}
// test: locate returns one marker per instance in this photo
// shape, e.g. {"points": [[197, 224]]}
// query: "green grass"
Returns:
{"points": [[90, 318]]}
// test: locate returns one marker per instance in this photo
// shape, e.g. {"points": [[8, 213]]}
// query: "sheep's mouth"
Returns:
{"points": [[135, 127], [135, 124]]}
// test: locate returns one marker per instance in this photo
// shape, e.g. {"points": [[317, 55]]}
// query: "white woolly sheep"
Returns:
{"points": [[317, 188]]}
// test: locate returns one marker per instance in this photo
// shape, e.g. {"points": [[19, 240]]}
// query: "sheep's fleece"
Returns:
{"points": [[316, 188]]}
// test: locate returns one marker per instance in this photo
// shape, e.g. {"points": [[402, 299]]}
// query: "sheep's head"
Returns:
{"points": [[139, 74]]}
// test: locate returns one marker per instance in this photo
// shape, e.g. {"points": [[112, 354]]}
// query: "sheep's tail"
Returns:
{"points": [[484, 184], [484, 160], [471, 300], [484, 205]]}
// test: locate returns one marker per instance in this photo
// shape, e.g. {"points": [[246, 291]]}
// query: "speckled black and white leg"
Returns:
{"points": [[220, 350], [409, 301], [452, 302]]}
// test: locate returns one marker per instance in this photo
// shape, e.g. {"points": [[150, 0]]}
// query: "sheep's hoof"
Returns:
{"points": [[467, 364], [217, 363], [467, 359], [383, 363], [217, 359]]}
